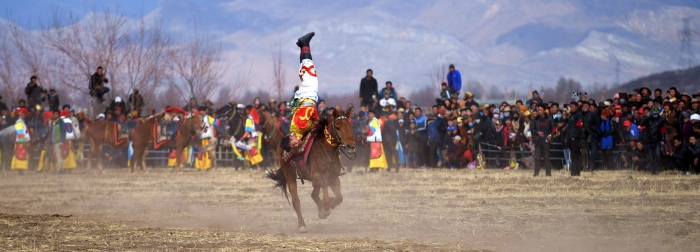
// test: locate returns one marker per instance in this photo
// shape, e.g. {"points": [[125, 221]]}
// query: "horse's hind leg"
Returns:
{"points": [[334, 183], [292, 187]]}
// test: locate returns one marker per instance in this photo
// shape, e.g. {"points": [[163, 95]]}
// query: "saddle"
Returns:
{"points": [[297, 157], [121, 132], [161, 133]]}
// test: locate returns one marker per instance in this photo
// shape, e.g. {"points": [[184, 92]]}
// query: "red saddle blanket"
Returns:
{"points": [[120, 135], [160, 137], [297, 157]]}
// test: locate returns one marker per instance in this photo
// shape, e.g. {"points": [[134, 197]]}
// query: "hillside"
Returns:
{"points": [[687, 80]]}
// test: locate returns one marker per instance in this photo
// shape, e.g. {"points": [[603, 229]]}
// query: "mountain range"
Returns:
{"points": [[514, 44]]}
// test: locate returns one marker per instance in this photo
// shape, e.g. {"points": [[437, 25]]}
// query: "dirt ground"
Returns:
{"points": [[414, 210]]}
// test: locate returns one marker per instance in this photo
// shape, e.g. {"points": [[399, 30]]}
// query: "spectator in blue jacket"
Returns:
{"points": [[454, 80], [434, 141]]}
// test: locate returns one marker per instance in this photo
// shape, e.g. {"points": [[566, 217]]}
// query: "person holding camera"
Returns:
{"points": [[97, 87], [34, 93]]}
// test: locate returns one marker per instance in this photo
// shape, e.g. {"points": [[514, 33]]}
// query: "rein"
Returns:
{"points": [[336, 138]]}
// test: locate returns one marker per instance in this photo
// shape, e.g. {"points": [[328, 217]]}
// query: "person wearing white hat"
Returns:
{"points": [[694, 117], [101, 116]]}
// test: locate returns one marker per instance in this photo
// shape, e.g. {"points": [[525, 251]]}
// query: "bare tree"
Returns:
{"points": [[243, 79], [278, 72], [438, 74], [144, 64], [82, 46], [197, 66], [8, 73]]}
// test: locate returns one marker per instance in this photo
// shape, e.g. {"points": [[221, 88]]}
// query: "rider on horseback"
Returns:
{"points": [[304, 103]]}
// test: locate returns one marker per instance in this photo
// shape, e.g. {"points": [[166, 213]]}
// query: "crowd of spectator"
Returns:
{"points": [[640, 130]]}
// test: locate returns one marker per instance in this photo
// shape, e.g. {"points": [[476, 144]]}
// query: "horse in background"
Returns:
{"points": [[322, 168], [145, 134], [272, 135], [97, 134]]}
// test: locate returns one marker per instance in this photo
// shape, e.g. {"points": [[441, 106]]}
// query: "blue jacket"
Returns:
{"points": [[606, 130], [433, 132], [454, 80], [420, 122]]}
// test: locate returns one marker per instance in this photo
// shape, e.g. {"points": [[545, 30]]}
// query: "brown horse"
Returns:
{"points": [[271, 134], [97, 134], [144, 134], [323, 167]]}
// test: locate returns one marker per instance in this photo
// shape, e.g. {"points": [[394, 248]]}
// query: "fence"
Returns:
{"points": [[159, 158], [557, 152]]}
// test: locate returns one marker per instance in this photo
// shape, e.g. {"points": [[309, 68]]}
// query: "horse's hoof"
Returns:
{"points": [[324, 214], [302, 230]]}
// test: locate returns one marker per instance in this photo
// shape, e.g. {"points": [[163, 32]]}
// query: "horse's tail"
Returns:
{"points": [[280, 181]]}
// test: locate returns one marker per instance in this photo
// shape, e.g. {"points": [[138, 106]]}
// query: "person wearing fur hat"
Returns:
{"points": [[70, 133], [377, 158], [208, 137], [20, 161]]}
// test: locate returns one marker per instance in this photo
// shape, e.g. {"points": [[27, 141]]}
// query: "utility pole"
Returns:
{"points": [[617, 72], [687, 56]]}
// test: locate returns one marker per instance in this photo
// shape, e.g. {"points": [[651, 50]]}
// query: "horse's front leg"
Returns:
{"points": [[320, 183], [335, 187]]}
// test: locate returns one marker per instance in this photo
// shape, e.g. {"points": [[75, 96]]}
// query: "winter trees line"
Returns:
{"points": [[167, 67]]}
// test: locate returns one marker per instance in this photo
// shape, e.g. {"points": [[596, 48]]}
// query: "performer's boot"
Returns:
{"points": [[303, 44]]}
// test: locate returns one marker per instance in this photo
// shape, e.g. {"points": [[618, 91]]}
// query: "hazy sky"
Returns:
{"points": [[22, 11]]}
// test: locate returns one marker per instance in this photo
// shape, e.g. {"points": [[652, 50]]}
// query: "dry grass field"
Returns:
{"points": [[415, 210]]}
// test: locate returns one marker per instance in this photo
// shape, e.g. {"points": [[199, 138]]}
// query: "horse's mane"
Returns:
{"points": [[322, 123]]}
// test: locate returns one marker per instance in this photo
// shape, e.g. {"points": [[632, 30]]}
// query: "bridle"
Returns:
{"points": [[341, 145]]}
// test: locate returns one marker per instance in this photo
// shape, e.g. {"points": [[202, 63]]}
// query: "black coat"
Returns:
{"points": [[3, 106], [592, 124], [136, 102], [97, 80], [414, 142], [652, 129], [389, 132], [33, 94], [368, 88], [54, 102], [574, 125], [540, 124], [236, 126]]}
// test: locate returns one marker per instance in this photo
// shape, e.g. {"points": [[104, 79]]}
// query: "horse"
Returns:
{"points": [[272, 134], [323, 166], [144, 134], [104, 132], [7, 146]]}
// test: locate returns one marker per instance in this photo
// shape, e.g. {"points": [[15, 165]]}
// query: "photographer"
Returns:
{"points": [[97, 81], [33, 92]]}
